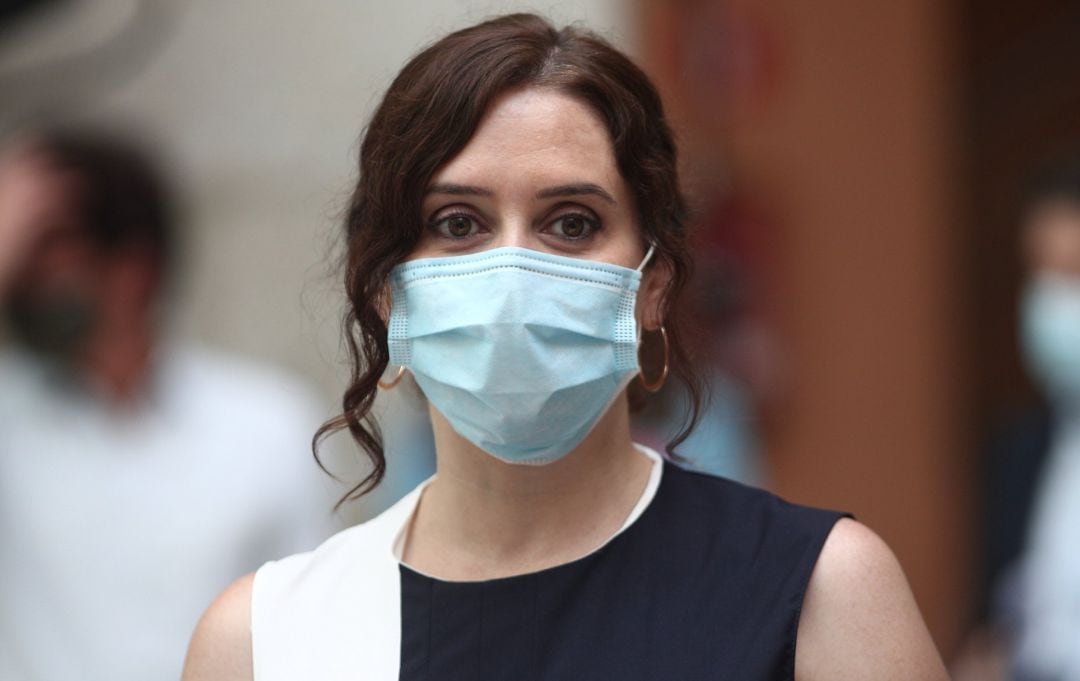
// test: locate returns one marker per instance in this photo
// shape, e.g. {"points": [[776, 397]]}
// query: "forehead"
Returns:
{"points": [[535, 133]]}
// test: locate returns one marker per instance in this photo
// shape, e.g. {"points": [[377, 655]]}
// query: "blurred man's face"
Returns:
{"points": [[1053, 239], [51, 299], [58, 250], [1050, 308]]}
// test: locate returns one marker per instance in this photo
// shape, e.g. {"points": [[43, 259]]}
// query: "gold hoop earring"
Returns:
{"points": [[659, 382], [397, 379]]}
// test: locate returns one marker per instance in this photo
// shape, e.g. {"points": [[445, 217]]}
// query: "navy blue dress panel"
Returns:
{"points": [[707, 584]]}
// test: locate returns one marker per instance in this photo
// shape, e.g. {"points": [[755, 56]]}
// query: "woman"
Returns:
{"points": [[517, 227]]}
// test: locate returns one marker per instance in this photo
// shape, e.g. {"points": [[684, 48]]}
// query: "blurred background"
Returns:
{"points": [[858, 173]]}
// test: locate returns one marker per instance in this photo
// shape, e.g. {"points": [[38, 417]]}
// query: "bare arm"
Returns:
{"points": [[859, 618], [220, 648]]}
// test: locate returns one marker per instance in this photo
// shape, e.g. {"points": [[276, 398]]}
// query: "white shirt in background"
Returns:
{"points": [[118, 527]]}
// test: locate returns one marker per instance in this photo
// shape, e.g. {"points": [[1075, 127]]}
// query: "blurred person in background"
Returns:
{"points": [[138, 476], [1047, 587], [1030, 573]]}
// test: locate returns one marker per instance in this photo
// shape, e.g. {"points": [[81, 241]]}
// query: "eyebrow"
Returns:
{"points": [[563, 190], [576, 189], [459, 190]]}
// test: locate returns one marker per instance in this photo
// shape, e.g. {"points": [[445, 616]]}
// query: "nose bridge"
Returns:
{"points": [[515, 228]]}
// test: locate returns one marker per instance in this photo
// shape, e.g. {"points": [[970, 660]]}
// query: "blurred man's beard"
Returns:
{"points": [[56, 326]]}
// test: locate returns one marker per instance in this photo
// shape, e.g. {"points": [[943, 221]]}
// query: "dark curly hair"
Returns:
{"points": [[428, 115]]}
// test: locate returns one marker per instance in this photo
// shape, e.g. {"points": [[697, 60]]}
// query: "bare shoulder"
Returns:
{"points": [[859, 618], [220, 648]]}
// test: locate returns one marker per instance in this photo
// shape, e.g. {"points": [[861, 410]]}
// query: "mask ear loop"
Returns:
{"points": [[659, 382], [401, 374], [648, 256]]}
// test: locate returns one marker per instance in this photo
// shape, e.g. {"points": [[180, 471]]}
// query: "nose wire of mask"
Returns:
{"points": [[521, 351]]}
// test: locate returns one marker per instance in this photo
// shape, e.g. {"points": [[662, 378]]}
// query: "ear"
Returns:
{"points": [[651, 303]]}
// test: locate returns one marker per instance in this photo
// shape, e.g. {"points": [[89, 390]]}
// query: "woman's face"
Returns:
{"points": [[539, 173]]}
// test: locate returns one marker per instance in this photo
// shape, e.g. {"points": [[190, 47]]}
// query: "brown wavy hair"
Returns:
{"points": [[428, 115]]}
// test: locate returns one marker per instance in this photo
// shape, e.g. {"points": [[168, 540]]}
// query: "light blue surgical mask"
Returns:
{"points": [[1051, 336], [521, 351]]}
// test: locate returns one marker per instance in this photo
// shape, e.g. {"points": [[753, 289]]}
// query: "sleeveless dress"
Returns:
{"points": [[704, 581]]}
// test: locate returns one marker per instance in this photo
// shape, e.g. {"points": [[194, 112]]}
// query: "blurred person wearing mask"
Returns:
{"points": [[138, 477], [1048, 644]]}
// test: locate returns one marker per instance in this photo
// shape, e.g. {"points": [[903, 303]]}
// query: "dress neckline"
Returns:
{"points": [[399, 518]]}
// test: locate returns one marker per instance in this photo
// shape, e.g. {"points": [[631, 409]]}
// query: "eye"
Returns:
{"points": [[574, 226], [454, 226]]}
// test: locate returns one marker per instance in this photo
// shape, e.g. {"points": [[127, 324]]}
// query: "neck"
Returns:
{"points": [[482, 518]]}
